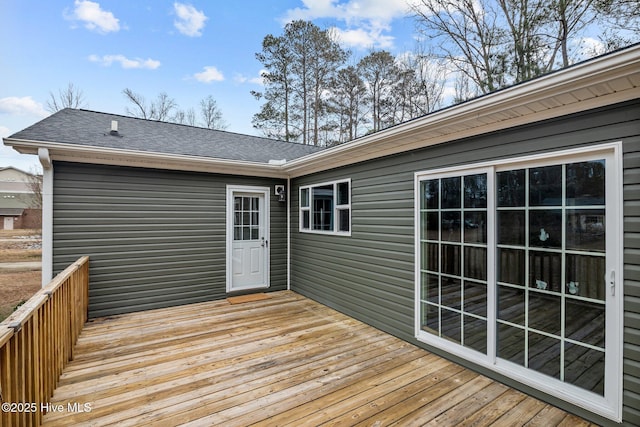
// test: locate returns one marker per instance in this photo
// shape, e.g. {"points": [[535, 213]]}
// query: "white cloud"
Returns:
{"points": [[93, 17], [588, 47], [24, 106], [108, 60], [363, 39], [239, 78], [4, 132], [352, 11], [190, 21], [210, 74], [367, 21]]}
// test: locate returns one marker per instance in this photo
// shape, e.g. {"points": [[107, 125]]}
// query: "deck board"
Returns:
{"points": [[285, 360]]}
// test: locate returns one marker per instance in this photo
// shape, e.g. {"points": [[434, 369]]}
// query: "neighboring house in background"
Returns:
{"points": [[502, 233], [19, 204]]}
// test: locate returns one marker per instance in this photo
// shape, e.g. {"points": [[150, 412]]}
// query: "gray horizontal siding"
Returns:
{"points": [[370, 275], [155, 238], [631, 349]]}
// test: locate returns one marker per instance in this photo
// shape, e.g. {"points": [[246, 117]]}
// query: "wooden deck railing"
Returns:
{"points": [[36, 343]]}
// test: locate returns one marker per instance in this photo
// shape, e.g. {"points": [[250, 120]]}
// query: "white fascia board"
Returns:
{"points": [[122, 157]]}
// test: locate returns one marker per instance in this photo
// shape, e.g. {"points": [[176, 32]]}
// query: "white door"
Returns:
{"points": [[8, 223], [247, 238]]}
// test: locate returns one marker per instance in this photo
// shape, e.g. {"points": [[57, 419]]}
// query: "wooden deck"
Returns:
{"points": [[285, 360]]}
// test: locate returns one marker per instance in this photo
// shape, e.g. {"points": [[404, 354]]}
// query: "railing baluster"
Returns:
{"points": [[38, 340]]}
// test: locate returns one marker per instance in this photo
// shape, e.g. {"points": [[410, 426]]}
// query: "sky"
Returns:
{"points": [[189, 50]]}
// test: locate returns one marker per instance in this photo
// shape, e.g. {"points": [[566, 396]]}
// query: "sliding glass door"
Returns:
{"points": [[516, 271]]}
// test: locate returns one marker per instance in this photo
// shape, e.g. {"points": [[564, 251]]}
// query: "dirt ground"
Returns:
{"points": [[18, 285]]}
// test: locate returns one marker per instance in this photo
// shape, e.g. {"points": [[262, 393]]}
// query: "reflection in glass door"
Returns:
{"points": [[550, 271], [453, 216]]}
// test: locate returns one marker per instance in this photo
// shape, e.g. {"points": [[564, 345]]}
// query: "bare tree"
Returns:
{"points": [[470, 37], [426, 87], [569, 17], [140, 108], [69, 97], [160, 109], [211, 114], [183, 117], [34, 184], [163, 106], [620, 15]]}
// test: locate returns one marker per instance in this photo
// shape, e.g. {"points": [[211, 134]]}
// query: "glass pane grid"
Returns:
{"points": [[246, 217], [547, 287], [453, 223]]}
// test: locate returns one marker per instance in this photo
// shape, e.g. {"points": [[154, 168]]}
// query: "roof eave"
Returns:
{"points": [[112, 156], [599, 82]]}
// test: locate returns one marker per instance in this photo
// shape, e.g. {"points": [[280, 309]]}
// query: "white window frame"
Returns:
{"points": [[609, 405], [335, 211]]}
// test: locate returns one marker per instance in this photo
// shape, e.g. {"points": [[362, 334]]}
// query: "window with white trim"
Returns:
{"points": [[326, 207], [515, 270]]}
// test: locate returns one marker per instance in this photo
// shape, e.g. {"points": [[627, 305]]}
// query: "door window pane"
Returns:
{"points": [[511, 188], [450, 263], [545, 271], [430, 257], [511, 343], [475, 333], [511, 304], [511, 266], [475, 191], [585, 230], [585, 183], [450, 226], [475, 298], [544, 354], [430, 225], [585, 276], [545, 228], [475, 227], [544, 312], [451, 325], [451, 293], [430, 194], [545, 186], [583, 321], [450, 197], [511, 228], [431, 318], [431, 287], [475, 263], [246, 218], [584, 367]]}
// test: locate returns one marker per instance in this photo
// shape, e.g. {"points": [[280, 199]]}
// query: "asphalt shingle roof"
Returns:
{"points": [[90, 128]]}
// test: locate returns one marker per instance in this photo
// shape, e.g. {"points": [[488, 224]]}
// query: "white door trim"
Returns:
{"points": [[264, 230]]}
